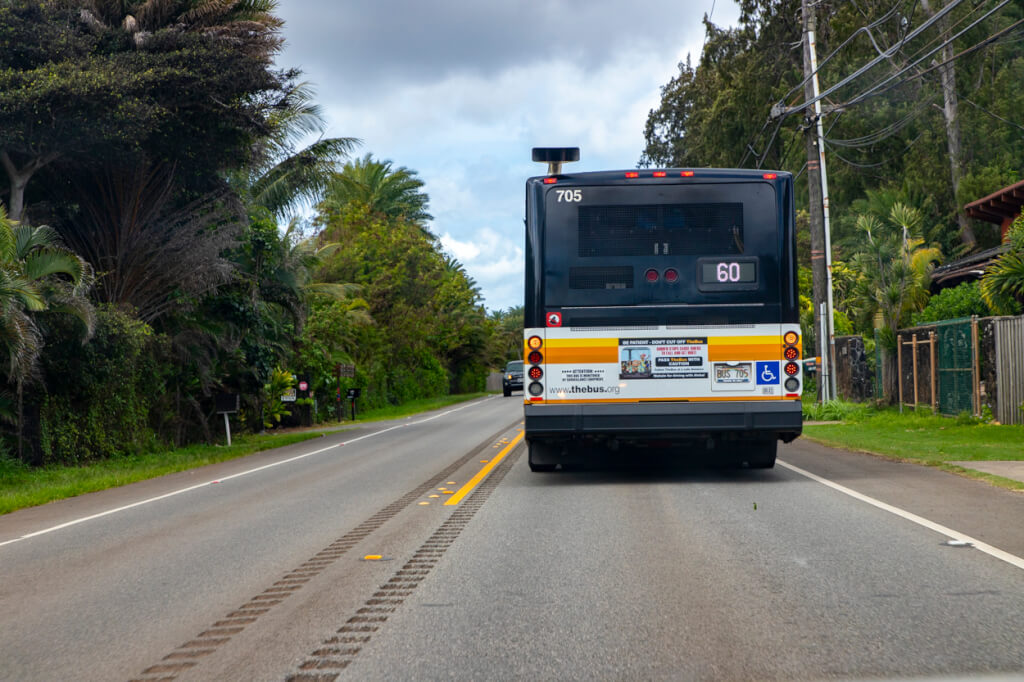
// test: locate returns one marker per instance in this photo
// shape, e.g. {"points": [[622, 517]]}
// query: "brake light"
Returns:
{"points": [[550, 181], [770, 176], [659, 174], [534, 357], [632, 174], [791, 368], [651, 275], [671, 275], [536, 373], [687, 174]]}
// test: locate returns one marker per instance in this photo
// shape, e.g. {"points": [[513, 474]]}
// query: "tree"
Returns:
{"points": [[153, 249], [893, 269], [507, 335], [280, 177], [88, 90], [391, 193]]}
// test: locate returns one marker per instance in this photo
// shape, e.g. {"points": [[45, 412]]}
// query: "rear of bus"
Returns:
{"points": [[661, 310]]}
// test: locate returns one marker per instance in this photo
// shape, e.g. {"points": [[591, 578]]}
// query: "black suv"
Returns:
{"points": [[512, 379]]}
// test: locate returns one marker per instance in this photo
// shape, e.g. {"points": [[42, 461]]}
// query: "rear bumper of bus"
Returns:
{"points": [[669, 420]]}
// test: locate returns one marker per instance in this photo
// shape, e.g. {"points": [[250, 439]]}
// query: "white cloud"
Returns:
{"points": [[462, 101]]}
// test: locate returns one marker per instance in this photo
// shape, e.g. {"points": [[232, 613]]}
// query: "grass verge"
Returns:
{"points": [[925, 438], [23, 486]]}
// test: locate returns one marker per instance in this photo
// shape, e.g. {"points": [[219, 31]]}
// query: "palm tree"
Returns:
{"points": [[282, 179], [893, 267], [250, 22], [37, 274], [1002, 286], [394, 193]]}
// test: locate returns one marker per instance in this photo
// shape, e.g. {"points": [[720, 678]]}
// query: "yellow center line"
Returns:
{"points": [[473, 482]]}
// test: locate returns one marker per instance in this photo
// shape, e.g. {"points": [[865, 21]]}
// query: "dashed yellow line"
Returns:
{"points": [[473, 482]]}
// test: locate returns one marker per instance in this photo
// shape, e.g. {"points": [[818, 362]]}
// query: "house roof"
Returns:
{"points": [[998, 206], [966, 268]]}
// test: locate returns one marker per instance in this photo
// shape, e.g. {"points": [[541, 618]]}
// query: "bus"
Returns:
{"points": [[661, 311]]}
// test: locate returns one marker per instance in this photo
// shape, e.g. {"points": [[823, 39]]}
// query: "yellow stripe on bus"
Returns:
{"points": [[577, 355]]}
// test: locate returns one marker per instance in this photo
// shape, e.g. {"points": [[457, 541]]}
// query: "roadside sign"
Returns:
{"points": [[289, 396], [346, 370], [303, 386]]}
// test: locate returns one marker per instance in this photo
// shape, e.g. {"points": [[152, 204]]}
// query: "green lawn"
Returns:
{"points": [[22, 486], [922, 437]]}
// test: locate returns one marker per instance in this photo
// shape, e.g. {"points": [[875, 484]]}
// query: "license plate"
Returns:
{"points": [[733, 373]]}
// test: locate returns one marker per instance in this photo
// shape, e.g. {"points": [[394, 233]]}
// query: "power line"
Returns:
{"points": [[873, 62], [874, 90]]}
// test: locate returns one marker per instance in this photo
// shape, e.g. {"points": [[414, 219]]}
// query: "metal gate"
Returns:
{"points": [[1010, 370], [956, 366]]}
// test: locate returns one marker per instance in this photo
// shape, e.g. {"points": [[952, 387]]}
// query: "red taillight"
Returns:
{"points": [[791, 368], [550, 181], [791, 353], [687, 174], [632, 174], [651, 275], [534, 358], [671, 275], [770, 176], [659, 174], [536, 373]]}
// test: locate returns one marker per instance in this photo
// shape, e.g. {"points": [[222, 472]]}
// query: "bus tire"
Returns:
{"points": [[762, 455]]}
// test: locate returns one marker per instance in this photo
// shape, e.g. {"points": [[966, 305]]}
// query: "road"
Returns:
{"points": [[258, 569]]}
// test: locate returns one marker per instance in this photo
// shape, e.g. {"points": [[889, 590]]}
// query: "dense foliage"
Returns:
{"points": [[165, 149], [922, 106]]}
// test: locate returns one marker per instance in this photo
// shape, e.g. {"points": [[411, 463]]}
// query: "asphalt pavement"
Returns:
{"points": [[425, 549]]}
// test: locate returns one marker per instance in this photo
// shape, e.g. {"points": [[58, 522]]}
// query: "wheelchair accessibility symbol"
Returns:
{"points": [[767, 373]]}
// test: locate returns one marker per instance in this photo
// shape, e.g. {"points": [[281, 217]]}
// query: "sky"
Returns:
{"points": [[461, 90]]}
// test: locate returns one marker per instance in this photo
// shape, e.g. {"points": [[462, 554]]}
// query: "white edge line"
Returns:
{"points": [[1011, 559], [190, 488]]}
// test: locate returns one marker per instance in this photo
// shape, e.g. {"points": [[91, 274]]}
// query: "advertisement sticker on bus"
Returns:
{"points": [[676, 358]]}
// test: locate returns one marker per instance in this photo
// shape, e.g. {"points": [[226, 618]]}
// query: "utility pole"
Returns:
{"points": [[821, 257]]}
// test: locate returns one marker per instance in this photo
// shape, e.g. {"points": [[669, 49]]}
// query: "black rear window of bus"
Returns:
{"points": [[661, 229], [615, 245]]}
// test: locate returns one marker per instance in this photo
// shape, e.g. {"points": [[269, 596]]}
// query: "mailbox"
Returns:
{"points": [[227, 402]]}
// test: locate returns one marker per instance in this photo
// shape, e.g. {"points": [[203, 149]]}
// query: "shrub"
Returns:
{"points": [[101, 395], [949, 304]]}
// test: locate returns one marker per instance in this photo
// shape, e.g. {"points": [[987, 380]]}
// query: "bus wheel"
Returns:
{"points": [[540, 455], [761, 455]]}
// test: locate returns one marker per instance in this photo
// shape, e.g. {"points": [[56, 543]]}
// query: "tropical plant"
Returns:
{"points": [[893, 266], [37, 274], [274, 408], [281, 177], [391, 193], [1002, 286]]}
